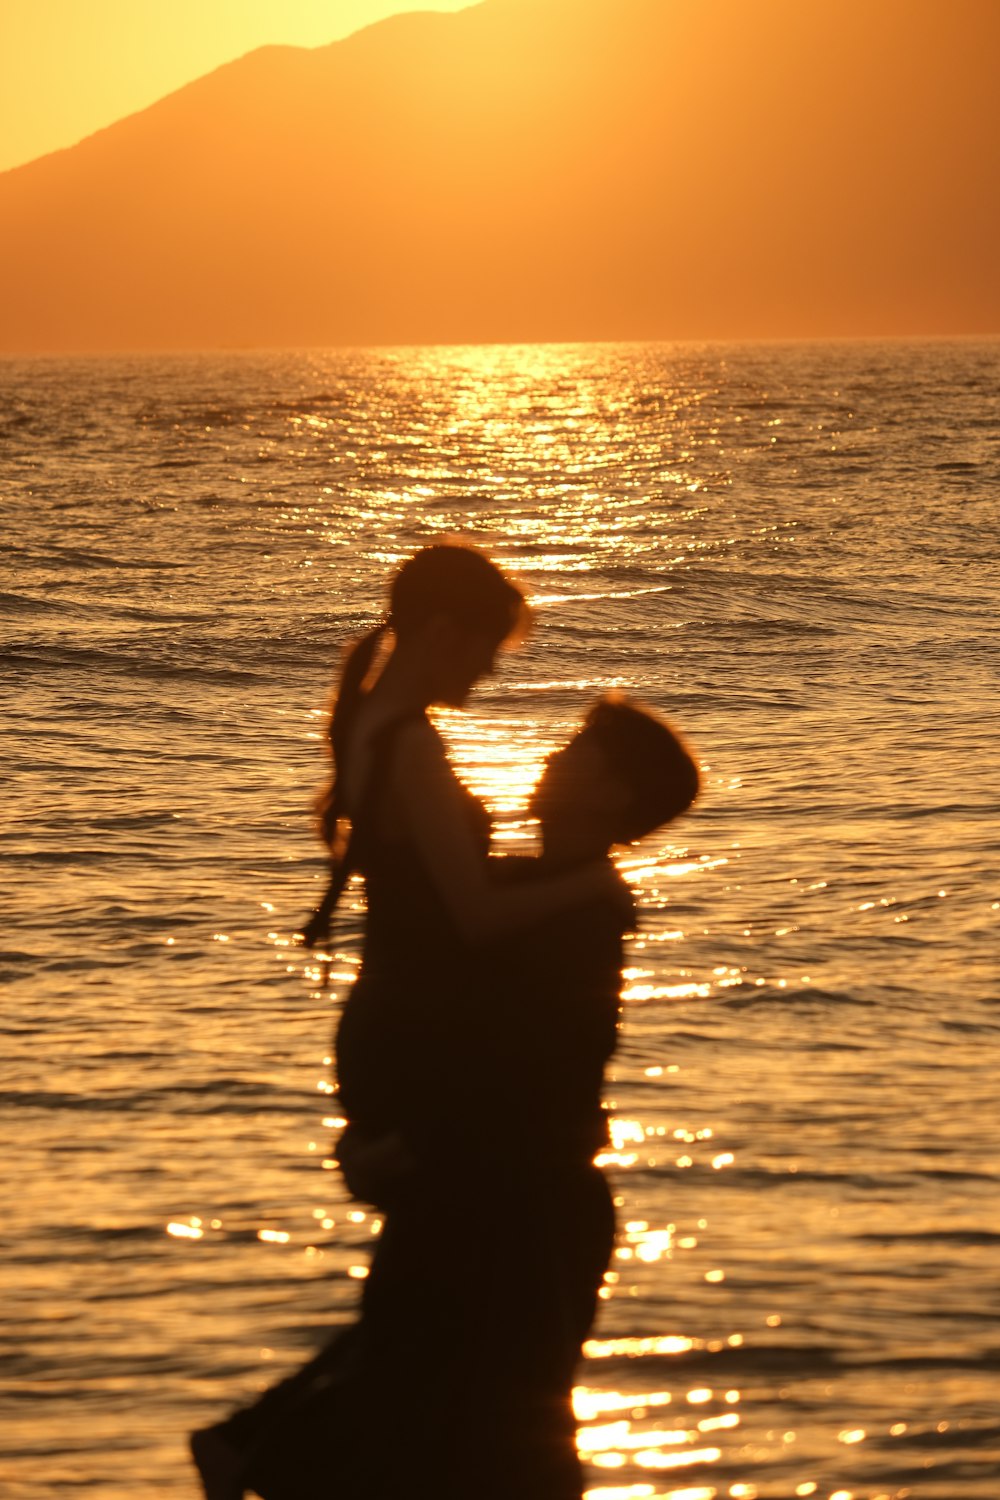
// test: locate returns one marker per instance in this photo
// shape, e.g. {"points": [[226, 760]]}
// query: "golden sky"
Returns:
{"points": [[70, 67], [525, 171]]}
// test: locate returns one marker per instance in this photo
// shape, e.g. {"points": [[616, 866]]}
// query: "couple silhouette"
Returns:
{"points": [[470, 1059]]}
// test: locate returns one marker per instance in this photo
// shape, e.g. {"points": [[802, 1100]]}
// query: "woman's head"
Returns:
{"points": [[450, 610], [457, 608], [460, 584]]}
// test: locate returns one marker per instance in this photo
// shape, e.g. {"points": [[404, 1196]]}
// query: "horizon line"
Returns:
{"points": [[715, 341]]}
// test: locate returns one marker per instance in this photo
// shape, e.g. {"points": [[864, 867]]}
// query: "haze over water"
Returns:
{"points": [[791, 550]]}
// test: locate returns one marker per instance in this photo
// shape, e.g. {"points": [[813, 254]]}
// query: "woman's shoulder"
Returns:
{"points": [[410, 759], [411, 747], [383, 739], [379, 742], [412, 729]]}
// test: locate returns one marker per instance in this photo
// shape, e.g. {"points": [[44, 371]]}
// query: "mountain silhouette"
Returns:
{"points": [[536, 170]]}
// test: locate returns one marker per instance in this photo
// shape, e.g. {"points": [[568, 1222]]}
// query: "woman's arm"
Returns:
{"points": [[316, 928], [428, 797]]}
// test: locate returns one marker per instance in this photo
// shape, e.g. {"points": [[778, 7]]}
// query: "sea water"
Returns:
{"points": [[792, 550]]}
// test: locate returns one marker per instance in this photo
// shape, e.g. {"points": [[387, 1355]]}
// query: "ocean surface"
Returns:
{"points": [[792, 550]]}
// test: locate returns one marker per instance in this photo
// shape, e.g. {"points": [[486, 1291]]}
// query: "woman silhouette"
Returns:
{"points": [[421, 841], [429, 1359]]}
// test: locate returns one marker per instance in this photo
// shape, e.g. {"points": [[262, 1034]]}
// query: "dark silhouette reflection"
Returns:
{"points": [[470, 1058]]}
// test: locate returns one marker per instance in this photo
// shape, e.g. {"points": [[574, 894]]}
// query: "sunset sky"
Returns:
{"points": [[506, 171], [70, 67]]}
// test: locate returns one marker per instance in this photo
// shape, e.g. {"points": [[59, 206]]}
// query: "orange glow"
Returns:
{"points": [[68, 69], [531, 172]]}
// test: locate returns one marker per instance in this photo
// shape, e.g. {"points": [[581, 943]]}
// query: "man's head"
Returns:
{"points": [[624, 773]]}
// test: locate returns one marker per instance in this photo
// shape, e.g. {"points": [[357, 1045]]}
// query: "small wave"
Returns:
{"points": [[125, 664], [950, 1359], [751, 997], [21, 604], [969, 1237], [897, 813], [127, 820], [225, 1096], [956, 1174], [16, 422], [75, 558]]}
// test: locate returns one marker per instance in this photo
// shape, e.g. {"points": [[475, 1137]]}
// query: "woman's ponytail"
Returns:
{"points": [[329, 805], [357, 665]]}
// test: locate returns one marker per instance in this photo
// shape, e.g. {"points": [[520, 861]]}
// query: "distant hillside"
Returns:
{"points": [[536, 170]]}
